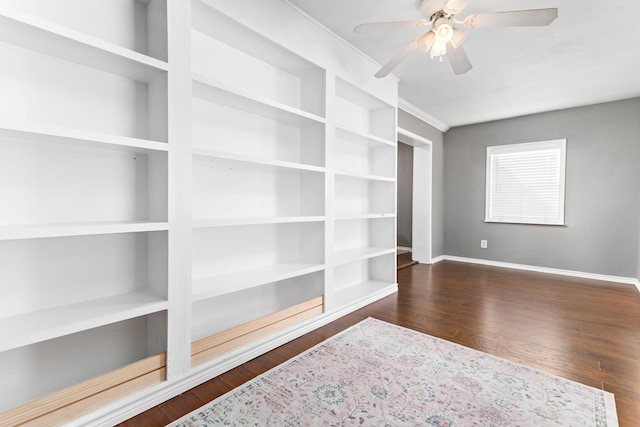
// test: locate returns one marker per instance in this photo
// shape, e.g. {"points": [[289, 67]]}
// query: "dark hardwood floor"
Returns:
{"points": [[405, 260], [584, 330]]}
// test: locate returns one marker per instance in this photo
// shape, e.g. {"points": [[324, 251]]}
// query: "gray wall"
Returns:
{"points": [[405, 194], [602, 210], [417, 126]]}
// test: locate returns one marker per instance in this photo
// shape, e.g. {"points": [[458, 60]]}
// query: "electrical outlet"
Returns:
{"points": [[483, 244]]}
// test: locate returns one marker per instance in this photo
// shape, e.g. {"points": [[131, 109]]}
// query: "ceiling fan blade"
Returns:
{"points": [[456, 6], [386, 26], [458, 37], [458, 59], [393, 62], [536, 17]]}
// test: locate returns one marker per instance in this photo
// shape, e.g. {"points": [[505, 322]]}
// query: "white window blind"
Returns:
{"points": [[525, 183]]}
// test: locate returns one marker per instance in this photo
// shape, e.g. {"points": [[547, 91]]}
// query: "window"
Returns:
{"points": [[525, 183]]}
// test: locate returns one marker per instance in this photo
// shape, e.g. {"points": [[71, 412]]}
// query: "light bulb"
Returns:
{"points": [[439, 48], [444, 33]]}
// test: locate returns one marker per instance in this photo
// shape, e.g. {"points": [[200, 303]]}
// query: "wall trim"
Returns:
{"points": [[615, 279], [336, 36], [437, 259], [422, 115], [412, 139]]}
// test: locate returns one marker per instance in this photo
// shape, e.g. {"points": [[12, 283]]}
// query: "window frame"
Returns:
{"points": [[525, 148]]}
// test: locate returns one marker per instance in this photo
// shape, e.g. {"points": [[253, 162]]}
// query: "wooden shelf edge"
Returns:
{"points": [[215, 345], [75, 400]]}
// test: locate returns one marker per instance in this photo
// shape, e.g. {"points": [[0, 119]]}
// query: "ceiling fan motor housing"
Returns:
{"points": [[429, 7]]}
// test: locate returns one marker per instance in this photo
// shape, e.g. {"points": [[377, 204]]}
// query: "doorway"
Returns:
{"points": [[420, 194], [404, 207]]}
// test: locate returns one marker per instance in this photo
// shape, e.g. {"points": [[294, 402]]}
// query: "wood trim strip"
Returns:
{"points": [[218, 344], [85, 390], [74, 410], [245, 328]]}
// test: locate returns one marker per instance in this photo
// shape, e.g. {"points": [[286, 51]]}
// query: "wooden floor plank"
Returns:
{"points": [[581, 329]]}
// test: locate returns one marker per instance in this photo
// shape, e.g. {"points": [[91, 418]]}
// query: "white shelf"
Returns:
{"points": [[359, 254], [25, 329], [347, 217], [36, 231], [217, 92], [236, 221], [206, 153], [362, 291], [36, 34], [226, 189], [210, 287], [357, 96], [356, 196], [228, 50], [364, 114], [362, 138], [79, 137], [366, 176]]}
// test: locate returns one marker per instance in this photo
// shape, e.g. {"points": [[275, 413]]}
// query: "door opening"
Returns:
{"points": [[421, 193]]}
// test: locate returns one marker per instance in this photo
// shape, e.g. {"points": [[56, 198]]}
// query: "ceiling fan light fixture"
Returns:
{"points": [[442, 36], [438, 49], [444, 32], [425, 41]]}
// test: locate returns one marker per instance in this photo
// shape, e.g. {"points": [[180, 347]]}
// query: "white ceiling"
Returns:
{"points": [[590, 54]]}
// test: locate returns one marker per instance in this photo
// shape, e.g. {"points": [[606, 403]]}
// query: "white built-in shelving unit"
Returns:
{"points": [[364, 195], [83, 183], [258, 183], [164, 221]]}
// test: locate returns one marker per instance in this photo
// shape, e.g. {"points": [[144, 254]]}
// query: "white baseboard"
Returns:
{"points": [[404, 248], [572, 273], [437, 259]]}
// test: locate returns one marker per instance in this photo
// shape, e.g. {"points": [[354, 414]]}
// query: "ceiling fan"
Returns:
{"points": [[445, 39]]}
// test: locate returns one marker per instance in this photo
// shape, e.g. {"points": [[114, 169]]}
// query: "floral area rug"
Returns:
{"points": [[379, 374]]}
